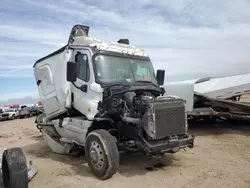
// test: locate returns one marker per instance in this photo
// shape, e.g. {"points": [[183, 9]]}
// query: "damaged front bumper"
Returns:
{"points": [[168, 145]]}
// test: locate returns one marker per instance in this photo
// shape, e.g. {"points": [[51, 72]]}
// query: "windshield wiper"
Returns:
{"points": [[116, 84], [145, 81]]}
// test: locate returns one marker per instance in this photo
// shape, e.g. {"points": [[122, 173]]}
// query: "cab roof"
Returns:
{"points": [[79, 37]]}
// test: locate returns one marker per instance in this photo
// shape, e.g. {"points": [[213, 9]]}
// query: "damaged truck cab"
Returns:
{"points": [[105, 97]]}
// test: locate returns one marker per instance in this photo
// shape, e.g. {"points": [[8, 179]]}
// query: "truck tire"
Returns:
{"points": [[14, 168], [102, 154]]}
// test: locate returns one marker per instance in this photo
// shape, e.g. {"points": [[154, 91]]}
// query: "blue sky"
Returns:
{"points": [[188, 38]]}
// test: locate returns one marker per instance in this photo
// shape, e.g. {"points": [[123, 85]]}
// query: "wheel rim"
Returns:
{"points": [[96, 155]]}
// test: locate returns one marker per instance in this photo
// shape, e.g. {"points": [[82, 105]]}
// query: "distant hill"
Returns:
{"points": [[25, 100]]}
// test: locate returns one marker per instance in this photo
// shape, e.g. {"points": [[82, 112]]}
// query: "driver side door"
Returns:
{"points": [[81, 88]]}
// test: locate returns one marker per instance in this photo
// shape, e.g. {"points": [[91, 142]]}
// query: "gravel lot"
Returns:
{"points": [[220, 158]]}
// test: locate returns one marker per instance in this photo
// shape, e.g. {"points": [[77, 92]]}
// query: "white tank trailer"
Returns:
{"points": [[104, 97]]}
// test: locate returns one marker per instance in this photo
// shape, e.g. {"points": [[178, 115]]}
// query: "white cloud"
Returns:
{"points": [[13, 95], [39, 35], [185, 37], [6, 66]]}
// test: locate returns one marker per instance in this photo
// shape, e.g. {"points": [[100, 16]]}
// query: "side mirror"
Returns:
{"points": [[160, 76], [71, 71]]}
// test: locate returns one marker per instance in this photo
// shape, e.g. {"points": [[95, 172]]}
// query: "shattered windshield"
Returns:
{"points": [[113, 69]]}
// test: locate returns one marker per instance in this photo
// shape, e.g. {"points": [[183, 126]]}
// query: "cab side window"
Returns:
{"points": [[82, 62]]}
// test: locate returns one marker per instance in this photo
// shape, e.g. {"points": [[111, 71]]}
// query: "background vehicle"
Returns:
{"points": [[10, 113], [1, 111], [105, 97], [34, 111], [40, 109], [210, 99], [24, 112]]}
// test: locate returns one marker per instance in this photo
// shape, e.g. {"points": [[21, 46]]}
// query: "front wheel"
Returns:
{"points": [[102, 154], [13, 117]]}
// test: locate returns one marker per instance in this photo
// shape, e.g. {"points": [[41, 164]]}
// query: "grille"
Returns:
{"points": [[5, 115], [170, 118]]}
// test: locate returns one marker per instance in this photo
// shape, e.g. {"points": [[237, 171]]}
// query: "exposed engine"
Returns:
{"points": [[159, 117], [131, 103], [136, 104]]}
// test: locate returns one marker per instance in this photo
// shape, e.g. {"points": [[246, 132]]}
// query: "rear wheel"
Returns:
{"points": [[14, 168], [102, 154]]}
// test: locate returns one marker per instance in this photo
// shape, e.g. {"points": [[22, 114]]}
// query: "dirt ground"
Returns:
{"points": [[220, 158]]}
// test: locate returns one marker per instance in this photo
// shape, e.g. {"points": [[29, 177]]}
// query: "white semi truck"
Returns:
{"points": [[104, 97]]}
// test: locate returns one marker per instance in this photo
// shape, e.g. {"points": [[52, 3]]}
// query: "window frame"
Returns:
{"points": [[78, 67], [115, 54]]}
